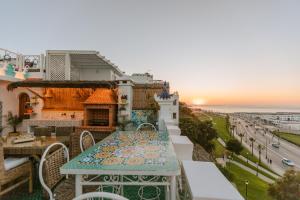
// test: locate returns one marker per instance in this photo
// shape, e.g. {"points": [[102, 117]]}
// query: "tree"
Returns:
{"points": [[13, 121], [252, 140], [227, 119], [260, 148], [241, 136], [287, 187], [201, 132], [234, 146], [232, 130]]}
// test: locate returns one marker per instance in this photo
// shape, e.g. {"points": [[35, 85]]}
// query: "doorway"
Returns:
{"points": [[24, 104]]}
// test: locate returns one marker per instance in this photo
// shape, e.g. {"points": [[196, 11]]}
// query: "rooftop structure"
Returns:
{"points": [[67, 92]]}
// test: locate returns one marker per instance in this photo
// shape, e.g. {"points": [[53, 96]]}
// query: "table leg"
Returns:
{"points": [[78, 186], [173, 191], [167, 192]]}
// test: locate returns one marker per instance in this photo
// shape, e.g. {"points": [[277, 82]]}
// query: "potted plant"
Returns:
{"points": [[13, 121], [124, 98]]}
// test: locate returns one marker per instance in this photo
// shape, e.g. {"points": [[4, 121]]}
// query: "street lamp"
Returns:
{"points": [[256, 168], [246, 183], [266, 148], [247, 156]]}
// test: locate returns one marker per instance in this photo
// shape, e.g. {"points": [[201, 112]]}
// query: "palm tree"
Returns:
{"points": [[252, 140], [241, 136], [233, 129], [260, 148], [13, 121]]}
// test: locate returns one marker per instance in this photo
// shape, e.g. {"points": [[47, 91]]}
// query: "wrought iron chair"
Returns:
{"points": [[86, 140], [54, 157], [98, 195], [10, 172]]}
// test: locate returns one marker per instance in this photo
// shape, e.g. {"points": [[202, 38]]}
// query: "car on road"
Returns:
{"points": [[276, 145], [287, 162]]}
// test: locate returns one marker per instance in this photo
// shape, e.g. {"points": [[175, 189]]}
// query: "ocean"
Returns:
{"points": [[248, 109]]}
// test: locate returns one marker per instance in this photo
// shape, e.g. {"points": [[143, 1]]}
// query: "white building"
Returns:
{"points": [[79, 65], [69, 67], [169, 108]]}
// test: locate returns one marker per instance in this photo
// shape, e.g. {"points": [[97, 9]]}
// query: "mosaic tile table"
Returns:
{"points": [[127, 158]]}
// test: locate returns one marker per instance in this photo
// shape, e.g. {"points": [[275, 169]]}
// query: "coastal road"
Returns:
{"points": [[286, 149]]}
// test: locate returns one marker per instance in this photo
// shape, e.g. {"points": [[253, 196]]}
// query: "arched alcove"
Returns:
{"points": [[24, 104]]}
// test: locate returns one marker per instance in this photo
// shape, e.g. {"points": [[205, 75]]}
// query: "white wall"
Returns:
{"points": [[167, 108], [10, 102], [126, 89], [96, 74], [57, 115]]}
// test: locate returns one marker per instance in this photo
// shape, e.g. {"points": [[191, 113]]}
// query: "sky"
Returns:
{"points": [[230, 52]]}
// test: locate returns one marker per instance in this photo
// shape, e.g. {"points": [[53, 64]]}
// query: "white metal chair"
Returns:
{"points": [[50, 164], [147, 126], [97, 195], [86, 140]]}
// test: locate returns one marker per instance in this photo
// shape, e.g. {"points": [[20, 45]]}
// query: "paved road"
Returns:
{"points": [[286, 150]]}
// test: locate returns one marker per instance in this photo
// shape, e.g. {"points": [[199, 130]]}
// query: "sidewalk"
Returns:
{"points": [[259, 167], [222, 162]]}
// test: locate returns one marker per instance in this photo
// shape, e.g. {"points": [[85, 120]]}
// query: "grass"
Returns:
{"points": [[257, 189], [292, 138], [219, 149], [202, 116], [219, 124], [235, 158], [253, 158]]}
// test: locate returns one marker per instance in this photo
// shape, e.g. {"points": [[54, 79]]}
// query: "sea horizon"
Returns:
{"points": [[248, 108]]}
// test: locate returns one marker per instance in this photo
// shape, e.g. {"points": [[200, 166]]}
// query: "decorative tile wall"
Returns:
{"points": [[140, 116]]}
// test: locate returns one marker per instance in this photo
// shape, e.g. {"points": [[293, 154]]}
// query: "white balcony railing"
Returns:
{"points": [[21, 66]]}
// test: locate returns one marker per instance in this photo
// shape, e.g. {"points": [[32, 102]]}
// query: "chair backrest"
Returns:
{"points": [[86, 140], [63, 130], [97, 195], [42, 131], [146, 126], [55, 156]]}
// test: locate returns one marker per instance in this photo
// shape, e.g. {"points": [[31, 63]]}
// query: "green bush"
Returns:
{"points": [[234, 146], [200, 132]]}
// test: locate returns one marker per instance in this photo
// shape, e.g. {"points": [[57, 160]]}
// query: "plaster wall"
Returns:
{"points": [[10, 102], [126, 89], [96, 74]]}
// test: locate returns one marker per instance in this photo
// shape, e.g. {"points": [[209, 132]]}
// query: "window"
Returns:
{"points": [[174, 115], [174, 102]]}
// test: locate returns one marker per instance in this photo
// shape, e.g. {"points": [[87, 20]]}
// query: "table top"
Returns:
{"points": [[35, 147], [127, 153]]}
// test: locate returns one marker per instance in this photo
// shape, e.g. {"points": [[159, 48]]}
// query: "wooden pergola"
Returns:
{"points": [[62, 84]]}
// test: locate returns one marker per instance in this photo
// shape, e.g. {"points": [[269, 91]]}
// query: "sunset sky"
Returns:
{"points": [[212, 52]]}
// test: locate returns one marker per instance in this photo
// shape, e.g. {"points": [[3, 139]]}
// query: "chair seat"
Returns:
{"points": [[10, 163]]}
